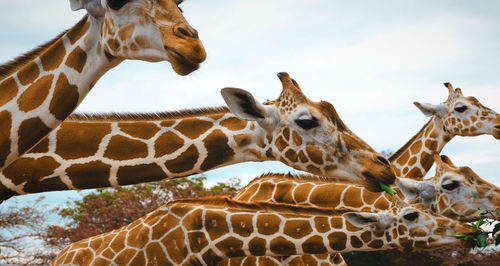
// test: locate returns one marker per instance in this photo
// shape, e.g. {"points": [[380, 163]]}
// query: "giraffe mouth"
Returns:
{"points": [[372, 183], [496, 131], [180, 63]]}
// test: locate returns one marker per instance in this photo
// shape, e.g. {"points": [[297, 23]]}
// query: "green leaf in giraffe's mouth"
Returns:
{"points": [[387, 189]]}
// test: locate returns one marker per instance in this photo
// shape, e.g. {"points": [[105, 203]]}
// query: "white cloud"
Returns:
{"points": [[370, 59]]}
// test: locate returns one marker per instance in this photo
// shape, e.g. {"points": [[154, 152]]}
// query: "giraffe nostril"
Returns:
{"points": [[184, 32], [195, 34], [497, 127], [383, 160]]}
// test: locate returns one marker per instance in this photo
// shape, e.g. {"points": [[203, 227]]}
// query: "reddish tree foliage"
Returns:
{"points": [[109, 209], [20, 224]]}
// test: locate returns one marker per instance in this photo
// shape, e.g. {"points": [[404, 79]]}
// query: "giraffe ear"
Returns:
{"points": [[429, 109], [93, 7], [243, 104], [364, 219], [412, 189]]}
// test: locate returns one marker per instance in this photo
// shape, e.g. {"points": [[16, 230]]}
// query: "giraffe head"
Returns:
{"points": [[455, 192], [310, 136], [462, 116], [151, 30], [408, 227]]}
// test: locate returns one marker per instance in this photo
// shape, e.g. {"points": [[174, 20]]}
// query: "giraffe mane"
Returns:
{"points": [[12, 65], [405, 147], [222, 201], [301, 177], [148, 116]]}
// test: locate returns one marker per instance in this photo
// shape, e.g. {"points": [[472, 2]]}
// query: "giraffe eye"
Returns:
{"points": [[451, 186], [307, 123], [412, 216], [117, 4], [461, 108]]}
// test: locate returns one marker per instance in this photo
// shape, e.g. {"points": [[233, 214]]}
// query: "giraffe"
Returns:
{"points": [[307, 190], [456, 192], [457, 116], [205, 232], [39, 89], [432, 135], [111, 150]]}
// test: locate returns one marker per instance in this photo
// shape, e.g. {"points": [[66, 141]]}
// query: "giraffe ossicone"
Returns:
{"points": [[39, 89], [113, 150], [210, 231], [457, 116]]}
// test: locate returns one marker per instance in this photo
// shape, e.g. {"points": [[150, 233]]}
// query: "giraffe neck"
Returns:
{"points": [[256, 230], [316, 259], [100, 152], [416, 157], [39, 90], [317, 192]]}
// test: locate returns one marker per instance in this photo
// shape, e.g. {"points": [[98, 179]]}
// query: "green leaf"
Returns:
{"points": [[481, 222], [387, 189], [495, 229], [497, 241], [481, 239], [483, 213], [477, 224], [460, 236]]}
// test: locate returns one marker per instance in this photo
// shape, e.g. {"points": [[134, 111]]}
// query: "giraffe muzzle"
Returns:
{"points": [[184, 48], [372, 182], [496, 132], [180, 64], [376, 169]]}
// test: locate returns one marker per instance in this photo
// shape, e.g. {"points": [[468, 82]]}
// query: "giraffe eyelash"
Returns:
{"points": [[307, 123], [451, 186], [461, 109], [117, 4], [412, 216]]}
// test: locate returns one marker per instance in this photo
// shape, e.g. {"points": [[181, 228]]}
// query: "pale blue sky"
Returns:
{"points": [[370, 59]]}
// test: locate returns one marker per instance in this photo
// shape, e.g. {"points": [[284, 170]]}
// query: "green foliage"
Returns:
{"points": [[477, 224], [480, 237], [387, 189]]}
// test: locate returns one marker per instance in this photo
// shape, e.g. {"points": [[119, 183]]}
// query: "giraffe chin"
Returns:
{"points": [[180, 64], [496, 132]]}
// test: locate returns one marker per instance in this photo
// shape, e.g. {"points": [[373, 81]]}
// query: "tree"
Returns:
{"points": [[109, 209], [20, 225]]}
